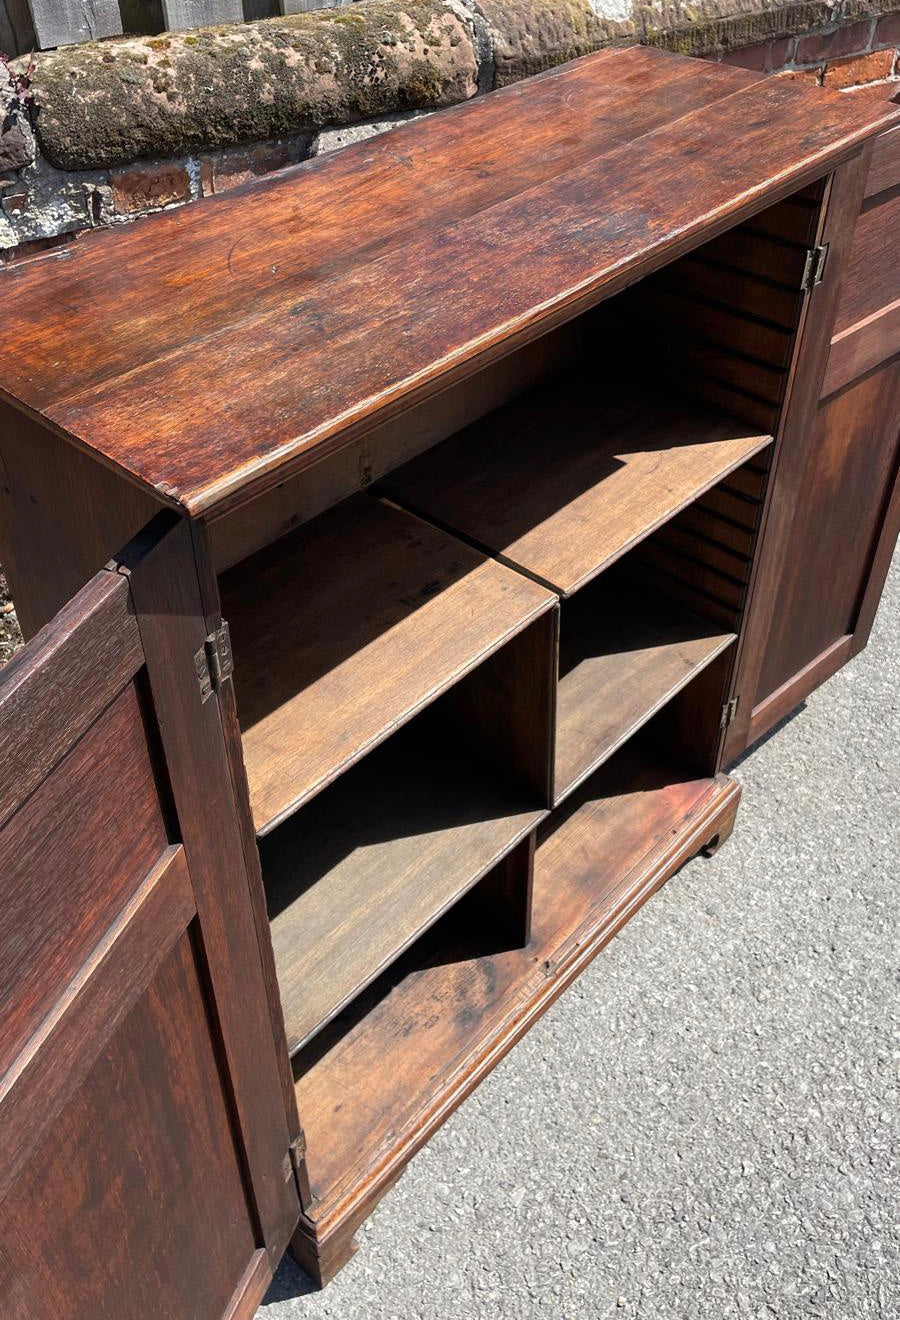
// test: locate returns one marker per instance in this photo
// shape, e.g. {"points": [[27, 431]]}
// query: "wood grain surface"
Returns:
{"points": [[362, 282], [370, 1099], [344, 630], [67, 828], [374, 860], [564, 480], [854, 452], [53, 691], [151, 1183], [623, 654]]}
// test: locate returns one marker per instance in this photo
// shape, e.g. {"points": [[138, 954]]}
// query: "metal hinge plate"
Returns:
{"points": [[297, 1152], [213, 662], [814, 267], [729, 711]]}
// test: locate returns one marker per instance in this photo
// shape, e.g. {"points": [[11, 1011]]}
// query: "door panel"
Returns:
{"points": [[872, 278], [132, 1182], [837, 518], [133, 1203], [71, 860], [839, 498]]}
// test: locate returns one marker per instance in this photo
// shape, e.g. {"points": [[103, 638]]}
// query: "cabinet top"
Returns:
{"points": [[208, 351]]}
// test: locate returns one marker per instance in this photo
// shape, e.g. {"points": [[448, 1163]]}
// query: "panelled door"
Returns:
{"points": [[836, 510], [144, 1148]]}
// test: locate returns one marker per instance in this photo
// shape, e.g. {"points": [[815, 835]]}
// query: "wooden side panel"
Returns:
{"points": [[884, 170], [62, 516], [96, 657], [71, 859]]}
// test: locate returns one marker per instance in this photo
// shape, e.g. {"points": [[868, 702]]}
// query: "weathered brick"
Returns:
{"points": [[206, 175], [16, 201], [766, 57], [859, 69], [240, 166], [804, 75], [887, 31], [149, 186], [779, 53], [850, 40], [531, 35], [751, 57]]}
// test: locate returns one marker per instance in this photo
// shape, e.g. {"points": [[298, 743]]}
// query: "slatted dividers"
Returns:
{"points": [[702, 557], [722, 323], [724, 318]]}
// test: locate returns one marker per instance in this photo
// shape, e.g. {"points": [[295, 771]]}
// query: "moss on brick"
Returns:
{"points": [[109, 104], [710, 25], [219, 86], [531, 35]]}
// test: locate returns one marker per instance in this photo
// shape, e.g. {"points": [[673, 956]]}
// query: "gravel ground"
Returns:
{"points": [[706, 1124], [10, 637]]}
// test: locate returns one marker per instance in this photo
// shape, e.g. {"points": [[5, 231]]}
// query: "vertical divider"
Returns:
{"points": [[503, 898], [511, 700], [691, 722]]}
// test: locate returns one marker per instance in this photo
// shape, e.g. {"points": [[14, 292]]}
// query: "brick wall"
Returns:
{"points": [[842, 57], [42, 206]]}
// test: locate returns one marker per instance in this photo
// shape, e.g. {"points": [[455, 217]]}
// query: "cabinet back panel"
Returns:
{"points": [[723, 320]]}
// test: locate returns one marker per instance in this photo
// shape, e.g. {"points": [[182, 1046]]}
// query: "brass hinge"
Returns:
{"points": [[729, 711], [814, 267], [213, 662]]}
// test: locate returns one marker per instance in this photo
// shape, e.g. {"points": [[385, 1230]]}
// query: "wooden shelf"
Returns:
{"points": [[565, 479], [373, 1089], [368, 865], [345, 629], [623, 655]]}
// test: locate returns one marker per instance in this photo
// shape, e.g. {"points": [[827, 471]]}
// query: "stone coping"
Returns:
{"points": [[107, 104]]}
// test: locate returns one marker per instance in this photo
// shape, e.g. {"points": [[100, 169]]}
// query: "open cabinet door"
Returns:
{"points": [[144, 1147]]}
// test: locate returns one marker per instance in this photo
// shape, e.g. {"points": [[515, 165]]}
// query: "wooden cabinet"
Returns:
{"points": [[478, 436]]}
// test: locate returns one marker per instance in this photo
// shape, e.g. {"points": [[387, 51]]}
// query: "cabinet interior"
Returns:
{"points": [[482, 678]]}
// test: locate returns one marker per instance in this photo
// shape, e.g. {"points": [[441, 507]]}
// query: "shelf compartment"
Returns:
{"points": [[346, 628], [623, 655], [566, 478], [376, 1085], [372, 861]]}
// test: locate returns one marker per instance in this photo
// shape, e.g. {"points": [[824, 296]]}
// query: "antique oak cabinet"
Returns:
{"points": [[489, 440]]}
